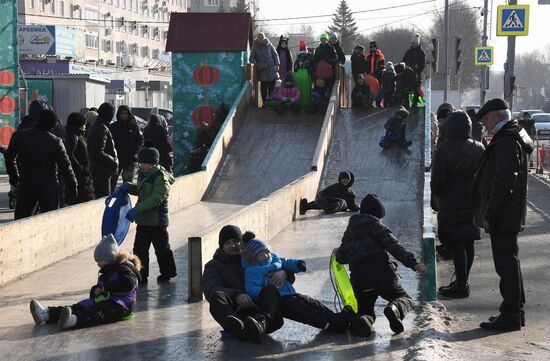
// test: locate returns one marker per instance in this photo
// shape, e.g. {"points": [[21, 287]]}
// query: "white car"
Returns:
{"points": [[542, 124]]}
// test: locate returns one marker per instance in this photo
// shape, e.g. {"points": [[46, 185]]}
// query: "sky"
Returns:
{"points": [[413, 16]]}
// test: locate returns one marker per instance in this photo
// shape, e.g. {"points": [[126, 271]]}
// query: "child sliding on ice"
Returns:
{"points": [[365, 246], [112, 299]]}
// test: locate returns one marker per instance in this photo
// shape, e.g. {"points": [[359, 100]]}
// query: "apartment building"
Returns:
{"points": [[212, 6], [116, 32]]}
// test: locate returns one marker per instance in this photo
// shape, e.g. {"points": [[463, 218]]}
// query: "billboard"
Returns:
{"points": [[51, 40]]}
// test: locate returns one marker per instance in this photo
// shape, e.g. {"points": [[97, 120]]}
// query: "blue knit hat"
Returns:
{"points": [[256, 246]]}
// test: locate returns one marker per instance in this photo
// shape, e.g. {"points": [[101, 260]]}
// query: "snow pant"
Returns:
{"points": [[388, 99], [29, 197], [266, 87], [89, 313], [506, 258], [302, 77], [380, 283], [309, 311], [329, 205], [102, 184], [158, 236], [221, 306], [282, 106], [128, 171], [463, 258]]}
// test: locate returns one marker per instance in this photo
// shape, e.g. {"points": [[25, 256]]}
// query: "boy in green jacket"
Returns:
{"points": [[151, 214]]}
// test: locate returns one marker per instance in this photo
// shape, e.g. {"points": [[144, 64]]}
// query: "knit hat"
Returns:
{"points": [[107, 249], [255, 247], [47, 120], [324, 36], [492, 105], [333, 35], [344, 175], [90, 117], [229, 232], [372, 205], [443, 110], [415, 39], [148, 155], [303, 46]]}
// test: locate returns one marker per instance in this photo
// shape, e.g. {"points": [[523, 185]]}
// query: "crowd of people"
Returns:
{"points": [[306, 83], [51, 165]]}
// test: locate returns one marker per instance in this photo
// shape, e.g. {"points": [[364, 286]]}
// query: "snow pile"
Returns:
{"points": [[431, 334]]}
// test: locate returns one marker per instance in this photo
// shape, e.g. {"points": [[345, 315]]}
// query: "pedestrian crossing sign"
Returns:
{"points": [[513, 20], [484, 55]]}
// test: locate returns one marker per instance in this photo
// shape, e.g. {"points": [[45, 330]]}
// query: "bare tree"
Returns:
{"points": [[394, 42]]}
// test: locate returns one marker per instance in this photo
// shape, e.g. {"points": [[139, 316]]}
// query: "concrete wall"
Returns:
{"points": [[268, 216]]}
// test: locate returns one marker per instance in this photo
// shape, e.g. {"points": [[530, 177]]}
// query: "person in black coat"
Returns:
{"points": [[500, 194], [326, 53], [406, 81], [223, 287], [285, 57], [365, 246], [358, 63], [454, 166], [335, 43], [128, 141], [387, 81], [337, 197], [414, 57], [35, 159], [35, 110], [77, 149], [477, 127], [102, 152], [360, 95], [156, 136]]}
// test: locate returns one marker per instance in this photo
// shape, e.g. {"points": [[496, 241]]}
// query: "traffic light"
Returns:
{"points": [[457, 54], [435, 55]]}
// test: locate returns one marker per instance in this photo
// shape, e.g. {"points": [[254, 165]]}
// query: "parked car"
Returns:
{"points": [[530, 111], [542, 124], [144, 113]]}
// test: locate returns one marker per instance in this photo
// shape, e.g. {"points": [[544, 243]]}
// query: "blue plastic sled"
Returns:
{"points": [[114, 217]]}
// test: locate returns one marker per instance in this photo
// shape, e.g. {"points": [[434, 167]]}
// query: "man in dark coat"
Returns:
{"points": [[415, 59], [156, 136], [128, 141], [477, 127], [337, 197], [325, 53], [454, 166], [500, 193], [407, 83], [77, 149], [335, 43], [223, 287], [102, 152], [34, 159], [358, 63]]}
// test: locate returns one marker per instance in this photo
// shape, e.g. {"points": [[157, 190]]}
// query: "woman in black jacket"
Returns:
{"points": [[156, 136], [77, 150], [454, 165]]}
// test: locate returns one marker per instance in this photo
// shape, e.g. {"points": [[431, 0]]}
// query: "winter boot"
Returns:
{"points": [[361, 325], [455, 290], [66, 319], [235, 327], [163, 278], [39, 313], [303, 206], [255, 327], [521, 318], [394, 318]]}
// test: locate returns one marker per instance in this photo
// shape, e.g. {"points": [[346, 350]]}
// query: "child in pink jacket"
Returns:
{"points": [[287, 96]]}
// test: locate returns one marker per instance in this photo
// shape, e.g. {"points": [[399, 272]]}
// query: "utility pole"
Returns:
{"points": [[509, 77], [484, 69], [446, 54]]}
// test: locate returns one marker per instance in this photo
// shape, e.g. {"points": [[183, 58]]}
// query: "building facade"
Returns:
{"points": [[214, 6]]}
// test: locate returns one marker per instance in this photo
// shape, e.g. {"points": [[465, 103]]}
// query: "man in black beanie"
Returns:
{"points": [[34, 159], [102, 152], [365, 246], [500, 196]]}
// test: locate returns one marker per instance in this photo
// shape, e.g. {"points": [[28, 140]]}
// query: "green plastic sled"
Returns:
{"points": [[343, 284]]}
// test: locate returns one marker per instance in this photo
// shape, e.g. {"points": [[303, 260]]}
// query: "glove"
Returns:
{"points": [[301, 266], [124, 187], [131, 215]]}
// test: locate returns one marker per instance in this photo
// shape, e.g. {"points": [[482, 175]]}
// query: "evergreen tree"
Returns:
{"points": [[241, 7], [345, 26]]}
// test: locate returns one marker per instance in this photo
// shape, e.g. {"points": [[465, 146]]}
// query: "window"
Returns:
{"points": [[92, 41], [42, 5], [62, 7], [145, 52], [52, 8], [212, 2], [91, 14], [108, 46], [156, 53], [145, 31], [31, 4]]}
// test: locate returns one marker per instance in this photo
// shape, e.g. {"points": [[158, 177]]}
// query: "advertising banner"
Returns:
{"points": [[52, 40], [9, 78]]}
